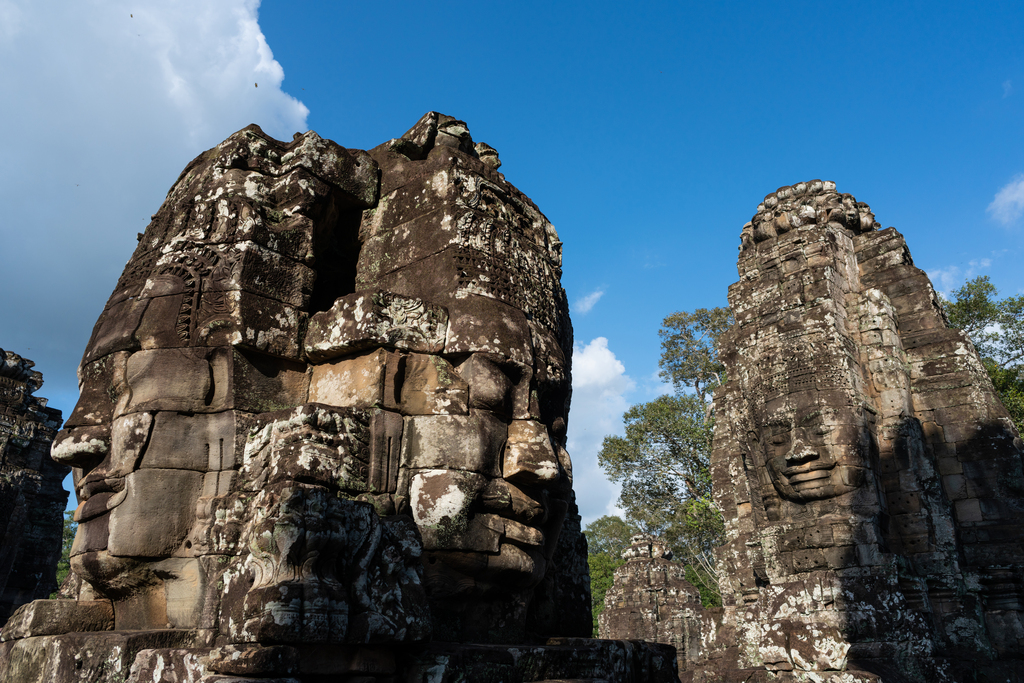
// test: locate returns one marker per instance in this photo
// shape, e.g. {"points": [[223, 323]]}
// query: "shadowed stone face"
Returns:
{"points": [[856, 448], [307, 332], [814, 453]]}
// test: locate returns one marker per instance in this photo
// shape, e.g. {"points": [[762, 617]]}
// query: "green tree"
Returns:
{"points": [[67, 539], [607, 537], [663, 461], [996, 326]]}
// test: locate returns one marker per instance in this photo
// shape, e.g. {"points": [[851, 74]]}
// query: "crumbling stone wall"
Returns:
{"points": [[870, 480], [651, 600], [32, 499]]}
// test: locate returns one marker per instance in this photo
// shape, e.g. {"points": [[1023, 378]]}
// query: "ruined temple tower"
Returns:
{"points": [[870, 480]]}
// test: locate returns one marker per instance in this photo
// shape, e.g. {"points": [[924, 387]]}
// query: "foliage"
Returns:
{"points": [[67, 539], [1009, 384], [663, 461], [706, 585], [663, 465], [996, 326], [609, 535], [689, 354], [602, 573]]}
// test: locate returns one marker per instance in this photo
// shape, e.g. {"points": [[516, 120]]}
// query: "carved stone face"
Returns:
{"points": [[263, 339], [814, 453], [469, 444]]}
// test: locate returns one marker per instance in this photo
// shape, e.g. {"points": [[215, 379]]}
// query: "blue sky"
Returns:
{"points": [[647, 133]]}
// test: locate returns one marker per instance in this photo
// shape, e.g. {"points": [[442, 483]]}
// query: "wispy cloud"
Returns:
{"points": [[945, 280], [1007, 88], [584, 304], [655, 385], [1008, 204], [111, 100], [600, 386]]}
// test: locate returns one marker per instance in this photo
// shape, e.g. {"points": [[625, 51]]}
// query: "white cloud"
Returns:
{"points": [[945, 280], [1008, 204], [600, 385], [107, 103], [584, 304], [1007, 88]]}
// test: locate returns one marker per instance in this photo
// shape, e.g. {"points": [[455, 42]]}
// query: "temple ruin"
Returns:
{"points": [[32, 499], [651, 600], [321, 434], [870, 480]]}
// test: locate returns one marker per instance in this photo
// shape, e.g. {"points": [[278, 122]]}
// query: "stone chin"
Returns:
{"points": [[117, 576]]}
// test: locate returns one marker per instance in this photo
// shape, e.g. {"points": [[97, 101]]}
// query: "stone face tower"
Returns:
{"points": [[32, 498], [322, 424], [652, 600], [870, 480]]}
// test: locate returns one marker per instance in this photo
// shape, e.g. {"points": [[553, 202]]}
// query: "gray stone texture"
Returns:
{"points": [[651, 600], [870, 480], [32, 499], [321, 425]]}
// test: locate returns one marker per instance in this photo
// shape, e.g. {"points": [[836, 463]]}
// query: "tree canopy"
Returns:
{"points": [[609, 535], [663, 461], [996, 326]]}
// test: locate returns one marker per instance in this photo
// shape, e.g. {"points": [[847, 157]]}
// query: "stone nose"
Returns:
{"points": [[801, 452], [83, 447], [529, 457]]}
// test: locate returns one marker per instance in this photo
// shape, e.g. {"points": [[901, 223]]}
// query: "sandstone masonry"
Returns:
{"points": [[32, 499]]}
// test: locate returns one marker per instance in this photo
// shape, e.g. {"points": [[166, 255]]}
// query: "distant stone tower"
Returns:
{"points": [[32, 500], [652, 600]]}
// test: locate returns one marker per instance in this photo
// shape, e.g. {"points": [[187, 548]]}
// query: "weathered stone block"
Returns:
{"points": [[490, 388], [51, 617], [379, 318], [431, 386], [529, 457], [82, 656], [203, 442], [312, 443], [439, 499], [168, 379], [364, 380], [460, 442], [144, 525], [261, 661]]}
